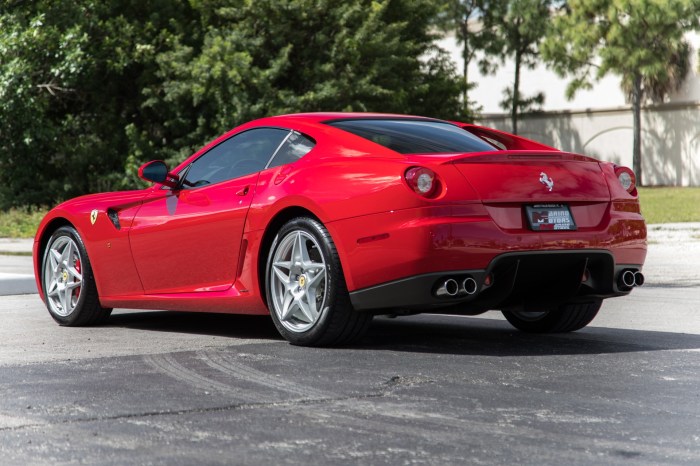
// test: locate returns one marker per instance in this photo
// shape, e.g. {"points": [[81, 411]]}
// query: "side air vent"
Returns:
{"points": [[114, 217]]}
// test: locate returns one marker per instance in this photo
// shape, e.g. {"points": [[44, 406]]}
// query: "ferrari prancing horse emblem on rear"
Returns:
{"points": [[93, 216], [547, 181]]}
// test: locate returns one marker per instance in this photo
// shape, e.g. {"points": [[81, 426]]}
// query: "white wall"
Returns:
{"points": [[670, 138], [599, 122]]}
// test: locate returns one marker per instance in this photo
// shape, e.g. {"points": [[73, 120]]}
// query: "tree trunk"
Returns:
{"points": [[465, 64], [637, 129], [516, 95]]}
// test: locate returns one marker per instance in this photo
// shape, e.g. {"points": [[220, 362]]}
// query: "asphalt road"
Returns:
{"points": [[182, 388], [176, 388]]}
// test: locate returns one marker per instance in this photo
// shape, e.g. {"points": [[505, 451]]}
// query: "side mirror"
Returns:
{"points": [[156, 171]]}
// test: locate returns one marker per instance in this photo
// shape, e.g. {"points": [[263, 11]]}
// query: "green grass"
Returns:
{"points": [[670, 205], [659, 205], [20, 223]]}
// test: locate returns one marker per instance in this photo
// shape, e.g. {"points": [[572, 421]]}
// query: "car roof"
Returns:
{"points": [[319, 117]]}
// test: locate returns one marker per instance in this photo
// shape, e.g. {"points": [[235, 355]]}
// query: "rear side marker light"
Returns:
{"points": [[422, 180], [369, 239], [627, 179]]}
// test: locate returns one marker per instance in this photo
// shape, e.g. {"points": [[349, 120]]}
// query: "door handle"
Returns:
{"points": [[243, 191]]}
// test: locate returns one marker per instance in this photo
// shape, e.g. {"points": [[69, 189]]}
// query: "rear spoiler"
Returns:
{"points": [[510, 156]]}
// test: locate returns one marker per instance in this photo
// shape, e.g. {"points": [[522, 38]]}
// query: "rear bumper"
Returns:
{"points": [[402, 250], [530, 280], [391, 246]]}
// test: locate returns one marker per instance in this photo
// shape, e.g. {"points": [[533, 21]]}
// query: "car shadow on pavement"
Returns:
{"points": [[495, 337], [425, 334], [201, 323]]}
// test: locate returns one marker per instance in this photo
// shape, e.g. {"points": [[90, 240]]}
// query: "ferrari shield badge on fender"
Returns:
{"points": [[93, 216], [547, 181]]}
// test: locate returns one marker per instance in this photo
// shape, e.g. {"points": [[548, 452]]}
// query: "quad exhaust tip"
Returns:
{"points": [[630, 278], [468, 286], [449, 288]]}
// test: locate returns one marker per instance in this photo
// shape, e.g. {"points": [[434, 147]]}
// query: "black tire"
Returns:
{"points": [[83, 305], [335, 322], [565, 318]]}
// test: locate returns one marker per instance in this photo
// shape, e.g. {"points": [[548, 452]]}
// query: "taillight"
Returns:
{"points": [[627, 179], [423, 181]]}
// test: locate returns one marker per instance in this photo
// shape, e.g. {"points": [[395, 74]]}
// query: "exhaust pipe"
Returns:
{"points": [[627, 279], [447, 289], [469, 286], [638, 279]]}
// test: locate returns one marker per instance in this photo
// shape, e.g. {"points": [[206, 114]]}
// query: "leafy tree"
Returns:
{"points": [[89, 88], [515, 29], [70, 73], [268, 57], [639, 40], [464, 18]]}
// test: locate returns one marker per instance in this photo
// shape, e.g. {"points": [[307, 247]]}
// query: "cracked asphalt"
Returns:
{"points": [[170, 388]]}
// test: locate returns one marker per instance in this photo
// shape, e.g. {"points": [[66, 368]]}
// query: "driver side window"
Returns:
{"points": [[242, 154]]}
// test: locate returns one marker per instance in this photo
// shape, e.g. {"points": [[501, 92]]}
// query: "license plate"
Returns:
{"points": [[550, 217]]}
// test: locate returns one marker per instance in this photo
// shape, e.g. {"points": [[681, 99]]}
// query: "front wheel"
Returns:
{"points": [[67, 281], [564, 318], [306, 290]]}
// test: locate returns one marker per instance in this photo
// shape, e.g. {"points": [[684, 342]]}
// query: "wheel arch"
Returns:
{"points": [[43, 240], [279, 219]]}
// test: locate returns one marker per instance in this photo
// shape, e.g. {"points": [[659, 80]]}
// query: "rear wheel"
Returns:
{"points": [[306, 290], [68, 284], [565, 318]]}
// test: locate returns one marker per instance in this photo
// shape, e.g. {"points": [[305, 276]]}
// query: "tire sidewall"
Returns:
{"points": [[85, 269], [542, 325], [567, 317], [333, 271]]}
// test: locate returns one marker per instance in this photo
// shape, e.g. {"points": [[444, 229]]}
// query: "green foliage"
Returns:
{"points": [[20, 223], [624, 37], [89, 90], [639, 40], [268, 57], [69, 86]]}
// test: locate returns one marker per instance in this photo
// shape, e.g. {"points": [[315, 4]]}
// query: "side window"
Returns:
{"points": [[295, 147], [240, 155]]}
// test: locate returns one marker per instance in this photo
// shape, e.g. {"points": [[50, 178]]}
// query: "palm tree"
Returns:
{"points": [[655, 84]]}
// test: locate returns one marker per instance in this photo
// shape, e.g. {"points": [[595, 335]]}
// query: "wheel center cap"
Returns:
{"points": [[65, 276], [302, 281]]}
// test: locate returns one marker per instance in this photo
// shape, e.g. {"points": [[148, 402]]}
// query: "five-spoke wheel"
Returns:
{"points": [[62, 276], [306, 290], [67, 281], [298, 281]]}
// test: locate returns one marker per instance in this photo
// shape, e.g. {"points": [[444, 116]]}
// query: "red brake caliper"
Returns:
{"points": [[77, 267]]}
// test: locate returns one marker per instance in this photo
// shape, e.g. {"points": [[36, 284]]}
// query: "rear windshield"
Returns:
{"points": [[415, 136]]}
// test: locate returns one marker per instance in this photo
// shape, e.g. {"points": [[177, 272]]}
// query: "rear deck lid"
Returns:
{"points": [[534, 177]]}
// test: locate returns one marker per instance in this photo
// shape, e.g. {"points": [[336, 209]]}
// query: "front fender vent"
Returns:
{"points": [[114, 217]]}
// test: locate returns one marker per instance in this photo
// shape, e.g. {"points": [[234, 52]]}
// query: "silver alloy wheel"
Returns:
{"points": [[298, 281], [62, 276]]}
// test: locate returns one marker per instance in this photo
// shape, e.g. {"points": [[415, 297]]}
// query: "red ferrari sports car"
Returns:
{"points": [[324, 220]]}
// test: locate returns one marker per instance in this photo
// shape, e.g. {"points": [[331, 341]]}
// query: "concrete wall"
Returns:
{"points": [[670, 138]]}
